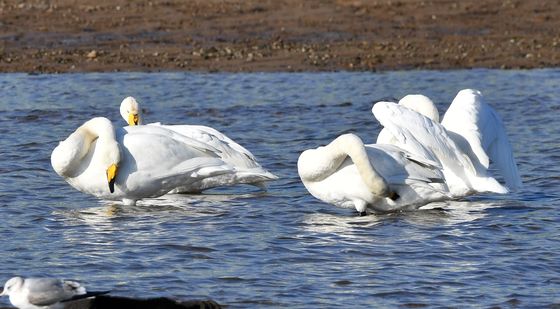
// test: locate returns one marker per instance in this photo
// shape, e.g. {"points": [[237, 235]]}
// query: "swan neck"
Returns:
{"points": [[97, 128], [352, 146], [317, 164]]}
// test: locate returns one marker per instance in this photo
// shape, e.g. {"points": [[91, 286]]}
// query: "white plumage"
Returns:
{"points": [[469, 137], [136, 162], [416, 159], [43, 293], [349, 174], [246, 167]]}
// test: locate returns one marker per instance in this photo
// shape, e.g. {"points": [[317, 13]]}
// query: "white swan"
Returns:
{"points": [[469, 137], [349, 174], [248, 170], [132, 163]]}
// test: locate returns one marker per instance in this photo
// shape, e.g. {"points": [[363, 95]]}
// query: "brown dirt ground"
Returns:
{"points": [[276, 35]]}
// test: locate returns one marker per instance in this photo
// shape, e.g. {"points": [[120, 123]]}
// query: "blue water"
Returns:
{"points": [[282, 248]]}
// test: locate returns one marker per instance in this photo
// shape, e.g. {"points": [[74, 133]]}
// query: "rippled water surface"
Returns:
{"points": [[281, 248]]}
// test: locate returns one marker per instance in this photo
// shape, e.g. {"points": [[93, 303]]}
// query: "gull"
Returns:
{"points": [[44, 293]]}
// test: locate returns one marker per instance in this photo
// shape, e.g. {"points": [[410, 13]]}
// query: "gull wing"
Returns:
{"points": [[48, 291]]}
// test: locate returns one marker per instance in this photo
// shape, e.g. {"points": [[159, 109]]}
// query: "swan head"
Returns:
{"points": [[421, 104], [12, 285], [131, 112]]}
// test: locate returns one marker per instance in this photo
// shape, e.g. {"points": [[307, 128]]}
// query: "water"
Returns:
{"points": [[282, 248]]}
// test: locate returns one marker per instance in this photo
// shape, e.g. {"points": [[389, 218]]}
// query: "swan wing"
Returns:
{"points": [[155, 131], [473, 120], [183, 175], [241, 159], [157, 160], [422, 137], [400, 167], [229, 150], [164, 152]]}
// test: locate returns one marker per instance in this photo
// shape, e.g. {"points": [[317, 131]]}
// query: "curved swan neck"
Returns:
{"points": [[317, 164], [352, 146], [67, 156], [99, 127], [102, 129]]}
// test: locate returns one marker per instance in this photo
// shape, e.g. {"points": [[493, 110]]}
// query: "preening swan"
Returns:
{"points": [[349, 174], [132, 163], [417, 160], [469, 137], [248, 170]]}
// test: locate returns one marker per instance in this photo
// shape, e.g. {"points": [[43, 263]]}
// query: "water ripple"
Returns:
{"points": [[282, 248]]}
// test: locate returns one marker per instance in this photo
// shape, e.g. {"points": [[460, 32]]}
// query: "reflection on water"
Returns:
{"points": [[280, 248], [434, 215], [104, 218], [337, 224]]}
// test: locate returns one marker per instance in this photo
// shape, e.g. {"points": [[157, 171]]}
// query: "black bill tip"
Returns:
{"points": [[112, 185], [394, 196]]}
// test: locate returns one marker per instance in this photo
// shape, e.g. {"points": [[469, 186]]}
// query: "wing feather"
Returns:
{"points": [[46, 291], [422, 136], [480, 125], [227, 149]]}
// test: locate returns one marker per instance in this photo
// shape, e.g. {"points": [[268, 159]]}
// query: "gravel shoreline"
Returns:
{"points": [[285, 35]]}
